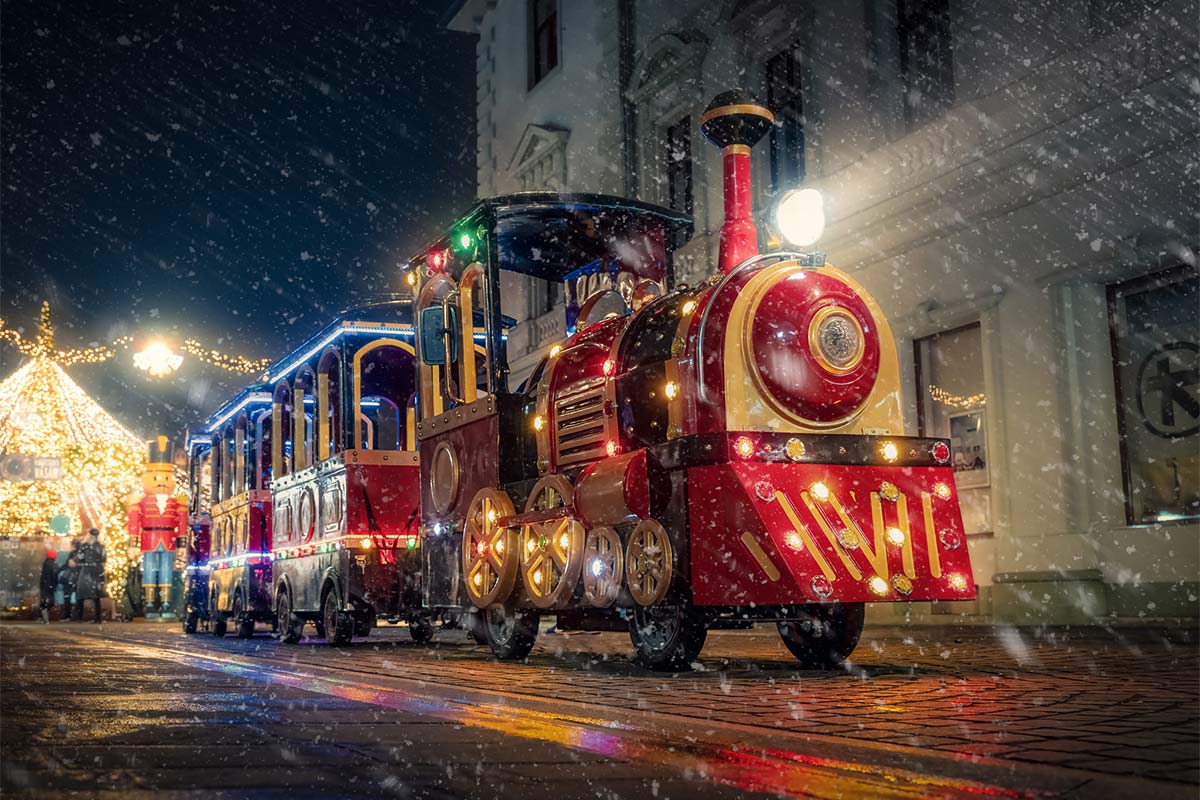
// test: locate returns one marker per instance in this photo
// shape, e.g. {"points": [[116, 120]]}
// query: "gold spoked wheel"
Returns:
{"points": [[489, 555], [551, 551], [649, 563], [603, 567]]}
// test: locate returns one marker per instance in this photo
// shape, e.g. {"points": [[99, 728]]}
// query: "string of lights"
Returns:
{"points": [[156, 358], [940, 395], [232, 363]]}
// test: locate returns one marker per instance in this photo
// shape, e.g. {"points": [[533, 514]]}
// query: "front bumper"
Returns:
{"points": [[770, 532]]}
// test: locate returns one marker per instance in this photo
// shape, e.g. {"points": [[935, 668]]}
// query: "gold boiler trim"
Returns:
{"points": [[750, 407]]}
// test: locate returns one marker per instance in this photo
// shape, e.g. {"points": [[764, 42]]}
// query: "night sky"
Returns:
{"points": [[234, 172]]}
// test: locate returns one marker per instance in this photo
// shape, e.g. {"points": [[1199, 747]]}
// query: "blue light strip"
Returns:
{"points": [[260, 397]]}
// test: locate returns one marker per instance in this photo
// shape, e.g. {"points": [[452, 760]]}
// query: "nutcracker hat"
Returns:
{"points": [[161, 450]]}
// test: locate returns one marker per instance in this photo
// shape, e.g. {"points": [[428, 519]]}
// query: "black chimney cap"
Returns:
{"points": [[735, 117]]}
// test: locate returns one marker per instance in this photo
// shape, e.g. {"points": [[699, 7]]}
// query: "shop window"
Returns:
{"points": [[1154, 323], [952, 404], [543, 39], [926, 60], [679, 165], [785, 98]]}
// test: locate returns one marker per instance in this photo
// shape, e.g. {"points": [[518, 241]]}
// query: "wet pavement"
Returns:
{"points": [[140, 710]]}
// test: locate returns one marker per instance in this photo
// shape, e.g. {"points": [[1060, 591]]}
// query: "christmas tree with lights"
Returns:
{"points": [[46, 415]]}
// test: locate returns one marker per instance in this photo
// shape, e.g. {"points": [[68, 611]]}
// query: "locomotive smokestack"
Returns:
{"points": [[734, 121]]}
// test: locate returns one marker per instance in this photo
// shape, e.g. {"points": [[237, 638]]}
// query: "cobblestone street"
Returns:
{"points": [[921, 712]]}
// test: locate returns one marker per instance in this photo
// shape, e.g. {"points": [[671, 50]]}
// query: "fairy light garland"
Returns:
{"points": [[216, 358], [43, 345], [940, 395]]}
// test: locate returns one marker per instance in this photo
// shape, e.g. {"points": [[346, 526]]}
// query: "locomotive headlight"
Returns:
{"points": [[800, 216], [835, 339]]}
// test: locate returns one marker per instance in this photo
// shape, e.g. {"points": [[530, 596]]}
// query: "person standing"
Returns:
{"points": [[68, 578], [91, 557], [46, 585]]}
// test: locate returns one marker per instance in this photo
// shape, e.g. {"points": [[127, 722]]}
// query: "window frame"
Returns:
{"points": [[532, 31], [1147, 282], [911, 15], [783, 110]]}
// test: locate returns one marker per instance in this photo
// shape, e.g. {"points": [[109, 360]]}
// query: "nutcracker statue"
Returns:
{"points": [[158, 519]]}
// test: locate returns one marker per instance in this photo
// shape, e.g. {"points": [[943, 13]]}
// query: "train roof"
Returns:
{"points": [[392, 314], [535, 231]]}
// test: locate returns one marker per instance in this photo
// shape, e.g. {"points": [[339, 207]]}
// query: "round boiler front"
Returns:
{"points": [[814, 347]]}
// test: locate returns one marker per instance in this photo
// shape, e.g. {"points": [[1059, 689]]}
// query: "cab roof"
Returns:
{"points": [[549, 235]]}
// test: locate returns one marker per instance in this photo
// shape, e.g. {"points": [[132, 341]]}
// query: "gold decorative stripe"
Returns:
{"points": [[760, 555], [910, 568], [809, 544], [935, 559], [850, 566], [737, 108], [736, 149], [877, 556]]}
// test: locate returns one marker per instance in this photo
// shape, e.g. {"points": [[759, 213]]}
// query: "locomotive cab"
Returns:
{"points": [[482, 458]]}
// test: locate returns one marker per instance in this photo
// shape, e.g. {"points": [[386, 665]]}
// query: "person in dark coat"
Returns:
{"points": [[91, 557], [47, 584], [68, 577]]}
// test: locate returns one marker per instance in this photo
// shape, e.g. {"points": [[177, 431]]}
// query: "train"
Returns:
{"points": [[687, 458]]}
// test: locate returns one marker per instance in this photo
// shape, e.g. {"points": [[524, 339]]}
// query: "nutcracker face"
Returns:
{"points": [[158, 479]]}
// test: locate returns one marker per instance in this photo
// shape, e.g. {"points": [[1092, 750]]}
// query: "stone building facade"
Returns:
{"points": [[1015, 181]]}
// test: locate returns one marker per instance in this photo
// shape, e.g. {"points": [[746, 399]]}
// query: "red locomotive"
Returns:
{"points": [[688, 457]]}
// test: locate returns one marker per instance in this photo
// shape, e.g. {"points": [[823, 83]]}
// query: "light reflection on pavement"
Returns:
{"points": [[722, 727]]}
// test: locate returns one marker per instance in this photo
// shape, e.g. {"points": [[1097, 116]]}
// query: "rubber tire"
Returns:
{"points": [[243, 623], [289, 626], [421, 630], [219, 625], [682, 645], [191, 621], [364, 624], [511, 643], [339, 626], [829, 637]]}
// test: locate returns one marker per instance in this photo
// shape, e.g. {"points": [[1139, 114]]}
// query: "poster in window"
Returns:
{"points": [[968, 449], [1155, 323]]}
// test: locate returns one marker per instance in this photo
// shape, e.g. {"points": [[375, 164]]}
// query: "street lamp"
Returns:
{"points": [[157, 359]]}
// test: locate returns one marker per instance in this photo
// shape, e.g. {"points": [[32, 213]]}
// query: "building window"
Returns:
{"points": [[952, 404], [1154, 321], [679, 165], [785, 98], [543, 39], [926, 63]]}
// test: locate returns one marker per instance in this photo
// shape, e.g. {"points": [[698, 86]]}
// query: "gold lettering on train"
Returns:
{"points": [[850, 566], [801, 529], [910, 568], [935, 560], [877, 555]]}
